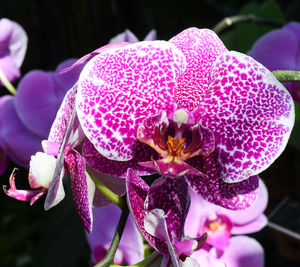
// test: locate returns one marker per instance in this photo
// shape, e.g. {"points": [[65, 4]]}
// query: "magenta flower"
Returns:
{"points": [[191, 100], [279, 50], [13, 46], [130, 249], [220, 224], [26, 120]]}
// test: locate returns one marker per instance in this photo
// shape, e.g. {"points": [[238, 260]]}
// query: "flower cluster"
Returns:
{"points": [[201, 117]]}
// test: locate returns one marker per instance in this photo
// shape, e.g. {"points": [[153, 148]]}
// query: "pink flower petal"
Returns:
{"points": [[201, 48], [139, 80], [250, 113], [80, 188]]}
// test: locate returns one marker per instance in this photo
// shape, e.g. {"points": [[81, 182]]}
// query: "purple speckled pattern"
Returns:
{"points": [[250, 113], [118, 89], [211, 187], [76, 165], [201, 48], [118, 168], [63, 117], [171, 195], [137, 191]]}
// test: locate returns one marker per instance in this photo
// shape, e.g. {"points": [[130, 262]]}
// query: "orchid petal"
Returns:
{"points": [[250, 113], [41, 170], [87, 57], [156, 225], [22, 195], [254, 226], [136, 194], [37, 106], [205, 258], [139, 79], [81, 185], [243, 251], [231, 196], [104, 226], [9, 68], [63, 117], [152, 132], [170, 195], [151, 36], [246, 216], [116, 168], [115, 184], [201, 48], [18, 142], [16, 38]]}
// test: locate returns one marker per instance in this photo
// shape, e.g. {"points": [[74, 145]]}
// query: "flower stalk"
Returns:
{"points": [[7, 83], [287, 75], [229, 22], [109, 258], [115, 198], [143, 263]]}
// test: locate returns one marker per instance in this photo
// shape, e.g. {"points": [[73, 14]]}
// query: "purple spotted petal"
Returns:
{"points": [[63, 116], [79, 186], [87, 57], [201, 48], [139, 80], [170, 195], [250, 113], [170, 168], [36, 101], [116, 168], [137, 191], [233, 196], [152, 132], [243, 251], [18, 141]]}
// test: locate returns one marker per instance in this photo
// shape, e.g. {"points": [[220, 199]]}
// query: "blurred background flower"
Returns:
{"points": [[280, 50]]}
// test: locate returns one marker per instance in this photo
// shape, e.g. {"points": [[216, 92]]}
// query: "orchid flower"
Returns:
{"points": [[191, 100], [220, 224], [129, 37], [130, 249], [13, 46], [278, 50], [25, 120]]}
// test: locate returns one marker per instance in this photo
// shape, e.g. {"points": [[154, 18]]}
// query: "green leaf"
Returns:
{"points": [[246, 34]]}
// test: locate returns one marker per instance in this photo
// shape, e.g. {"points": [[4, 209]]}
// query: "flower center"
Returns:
{"points": [[175, 147]]}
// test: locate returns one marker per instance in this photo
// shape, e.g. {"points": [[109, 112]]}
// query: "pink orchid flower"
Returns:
{"points": [[220, 225], [191, 100], [13, 46]]}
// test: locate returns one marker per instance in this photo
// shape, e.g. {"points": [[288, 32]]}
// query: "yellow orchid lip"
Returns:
{"points": [[175, 147]]}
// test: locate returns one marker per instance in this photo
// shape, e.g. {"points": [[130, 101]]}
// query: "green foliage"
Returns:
{"points": [[243, 35]]}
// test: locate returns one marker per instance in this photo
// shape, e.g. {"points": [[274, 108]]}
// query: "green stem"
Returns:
{"points": [[143, 263], [228, 22], [109, 258], [287, 75], [7, 83], [115, 198]]}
